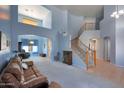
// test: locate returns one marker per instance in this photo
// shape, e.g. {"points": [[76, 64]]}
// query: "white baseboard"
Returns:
{"points": [[118, 65]]}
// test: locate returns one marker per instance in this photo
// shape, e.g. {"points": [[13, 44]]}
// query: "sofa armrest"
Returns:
{"points": [[8, 85], [35, 82], [29, 63]]}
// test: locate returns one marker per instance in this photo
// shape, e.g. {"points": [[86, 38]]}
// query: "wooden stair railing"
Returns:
{"points": [[95, 57], [88, 54], [87, 58], [85, 53]]}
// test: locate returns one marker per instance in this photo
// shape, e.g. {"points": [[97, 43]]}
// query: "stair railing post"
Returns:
{"points": [[95, 57], [87, 58]]}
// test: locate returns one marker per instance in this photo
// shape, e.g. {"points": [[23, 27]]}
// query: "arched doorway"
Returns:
{"points": [[107, 46], [35, 45]]}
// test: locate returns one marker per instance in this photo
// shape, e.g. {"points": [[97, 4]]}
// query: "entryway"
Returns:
{"points": [[34, 45], [107, 46]]}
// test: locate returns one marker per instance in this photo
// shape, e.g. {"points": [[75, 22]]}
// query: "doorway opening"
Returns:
{"points": [[107, 47], [34, 46], [92, 44]]}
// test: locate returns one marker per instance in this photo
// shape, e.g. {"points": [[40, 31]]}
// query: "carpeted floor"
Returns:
{"points": [[69, 76]]}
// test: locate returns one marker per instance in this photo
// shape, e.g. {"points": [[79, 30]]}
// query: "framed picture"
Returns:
{"points": [[3, 41], [0, 40]]}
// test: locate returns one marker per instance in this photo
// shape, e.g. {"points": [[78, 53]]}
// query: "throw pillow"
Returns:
{"points": [[24, 66]]}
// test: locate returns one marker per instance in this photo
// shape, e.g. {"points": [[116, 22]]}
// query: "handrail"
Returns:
{"points": [[81, 31], [86, 46], [95, 57], [89, 26], [83, 44], [86, 27], [90, 54], [87, 58]]}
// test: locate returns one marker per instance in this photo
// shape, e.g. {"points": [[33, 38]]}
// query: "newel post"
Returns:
{"points": [[87, 56], [95, 57]]}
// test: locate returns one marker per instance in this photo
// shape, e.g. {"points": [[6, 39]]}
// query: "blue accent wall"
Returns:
{"points": [[25, 42], [5, 54], [59, 24], [107, 28]]}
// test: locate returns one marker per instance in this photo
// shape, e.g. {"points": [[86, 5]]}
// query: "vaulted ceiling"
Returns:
{"points": [[83, 10]]}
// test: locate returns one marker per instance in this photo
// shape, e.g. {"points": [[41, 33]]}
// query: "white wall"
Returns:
{"points": [[47, 21], [114, 29], [86, 36], [74, 25], [120, 40]]}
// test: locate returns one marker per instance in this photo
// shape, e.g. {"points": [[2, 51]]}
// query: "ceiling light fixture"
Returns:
{"points": [[31, 42], [117, 13]]}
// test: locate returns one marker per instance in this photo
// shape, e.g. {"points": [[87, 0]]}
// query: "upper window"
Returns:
{"points": [[4, 12], [35, 15]]}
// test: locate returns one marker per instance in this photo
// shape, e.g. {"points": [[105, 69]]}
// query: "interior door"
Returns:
{"points": [[107, 49]]}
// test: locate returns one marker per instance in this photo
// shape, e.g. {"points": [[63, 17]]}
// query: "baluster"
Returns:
{"points": [[87, 56], [95, 57]]}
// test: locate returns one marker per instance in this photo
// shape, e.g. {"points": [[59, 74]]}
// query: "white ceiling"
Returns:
{"points": [[34, 11], [82, 10]]}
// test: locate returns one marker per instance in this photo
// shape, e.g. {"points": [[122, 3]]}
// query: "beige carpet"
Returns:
{"points": [[69, 76]]}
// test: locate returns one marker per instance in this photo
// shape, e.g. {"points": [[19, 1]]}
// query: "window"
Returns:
{"points": [[34, 49]]}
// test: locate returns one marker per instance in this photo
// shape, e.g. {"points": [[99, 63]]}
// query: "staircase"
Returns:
{"points": [[87, 55], [81, 53]]}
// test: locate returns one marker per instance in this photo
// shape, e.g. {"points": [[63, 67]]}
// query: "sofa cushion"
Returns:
{"points": [[29, 74], [24, 66], [36, 82], [29, 63], [15, 70], [36, 71], [10, 80], [16, 60]]}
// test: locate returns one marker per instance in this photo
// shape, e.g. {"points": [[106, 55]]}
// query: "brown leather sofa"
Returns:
{"points": [[14, 76]]}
